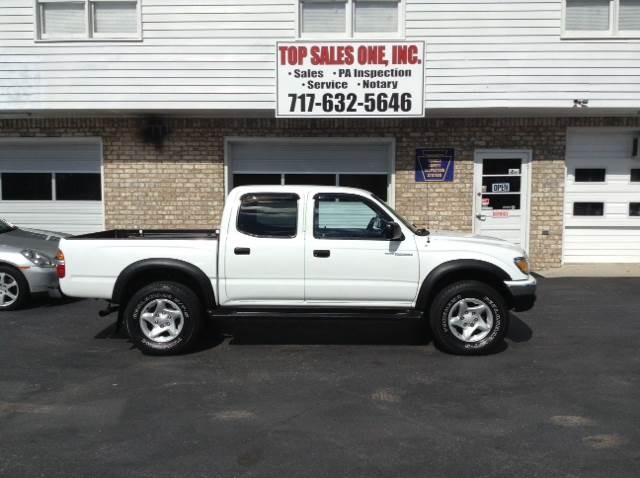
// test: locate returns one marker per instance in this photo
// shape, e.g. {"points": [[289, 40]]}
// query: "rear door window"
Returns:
{"points": [[268, 215]]}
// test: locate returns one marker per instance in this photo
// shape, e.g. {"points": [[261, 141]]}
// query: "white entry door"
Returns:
{"points": [[502, 194]]}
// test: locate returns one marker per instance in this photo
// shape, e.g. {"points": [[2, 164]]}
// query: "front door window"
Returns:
{"points": [[345, 216]]}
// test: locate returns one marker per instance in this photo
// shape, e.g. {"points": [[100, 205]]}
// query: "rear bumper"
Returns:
{"points": [[523, 293]]}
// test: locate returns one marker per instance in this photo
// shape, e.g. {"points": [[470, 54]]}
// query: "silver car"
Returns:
{"points": [[27, 264]]}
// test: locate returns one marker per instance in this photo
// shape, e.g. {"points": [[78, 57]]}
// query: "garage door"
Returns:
{"points": [[362, 163], [602, 200], [52, 184]]}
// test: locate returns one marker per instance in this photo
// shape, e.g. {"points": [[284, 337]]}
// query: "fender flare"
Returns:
{"points": [[458, 265], [147, 266]]}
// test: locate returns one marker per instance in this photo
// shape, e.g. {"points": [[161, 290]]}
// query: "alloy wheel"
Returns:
{"points": [[470, 320], [161, 320], [9, 289]]}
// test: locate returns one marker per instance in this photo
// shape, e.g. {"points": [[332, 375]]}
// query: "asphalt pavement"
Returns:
{"points": [[327, 398]]}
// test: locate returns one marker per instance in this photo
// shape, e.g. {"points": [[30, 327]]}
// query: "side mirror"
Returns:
{"points": [[393, 231]]}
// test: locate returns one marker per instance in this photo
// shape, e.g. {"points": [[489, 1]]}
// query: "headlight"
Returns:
{"points": [[522, 264], [38, 258]]}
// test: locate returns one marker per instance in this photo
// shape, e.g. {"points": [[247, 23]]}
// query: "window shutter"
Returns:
{"points": [[63, 19], [588, 15], [115, 17], [629, 15], [376, 16], [323, 16]]}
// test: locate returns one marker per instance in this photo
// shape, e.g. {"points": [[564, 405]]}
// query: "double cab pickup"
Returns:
{"points": [[300, 251]]}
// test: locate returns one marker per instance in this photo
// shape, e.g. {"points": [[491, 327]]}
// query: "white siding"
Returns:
{"points": [[219, 54], [615, 236]]}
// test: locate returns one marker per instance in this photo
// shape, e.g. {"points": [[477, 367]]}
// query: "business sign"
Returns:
{"points": [[500, 187], [350, 79], [434, 165]]}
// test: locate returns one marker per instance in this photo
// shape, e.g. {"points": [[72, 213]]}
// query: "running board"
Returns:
{"points": [[315, 313]]}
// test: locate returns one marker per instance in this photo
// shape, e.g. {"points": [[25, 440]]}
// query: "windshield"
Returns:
{"points": [[414, 229], [4, 227]]}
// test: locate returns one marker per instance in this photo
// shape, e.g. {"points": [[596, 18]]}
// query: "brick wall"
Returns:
{"points": [[181, 184]]}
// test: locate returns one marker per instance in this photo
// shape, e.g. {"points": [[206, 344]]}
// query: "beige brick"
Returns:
{"points": [[181, 184]]}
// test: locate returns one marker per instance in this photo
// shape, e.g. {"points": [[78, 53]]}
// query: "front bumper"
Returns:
{"points": [[41, 279], [523, 293]]}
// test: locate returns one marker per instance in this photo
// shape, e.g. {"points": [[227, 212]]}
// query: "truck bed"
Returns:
{"points": [[150, 234], [95, 261]]}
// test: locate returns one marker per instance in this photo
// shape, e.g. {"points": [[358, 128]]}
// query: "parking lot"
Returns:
{"points": [[328, 398]]}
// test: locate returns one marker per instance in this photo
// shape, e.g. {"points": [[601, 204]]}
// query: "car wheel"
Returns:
{"points": [[14, 289], [469, 318], [164, 318]]}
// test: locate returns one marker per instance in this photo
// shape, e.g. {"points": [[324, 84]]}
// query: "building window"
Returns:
{"points": [[351, 18], [27, 187], [268, 215], [378, 184], [588, 209], [88, 19], [373, 16], [297, 179], [50, 187], [601, 18], [635, 175], [323, 16], [629, 17], [78, 187], [242, 179], [590, 175], [634, 209], [375, 183]]}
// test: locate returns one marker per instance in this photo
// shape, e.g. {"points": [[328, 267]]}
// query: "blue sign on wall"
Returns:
{"points": [[434, 165]]}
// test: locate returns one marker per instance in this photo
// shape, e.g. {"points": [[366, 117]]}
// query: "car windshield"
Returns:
{"points": [[4, 227], [414, 229]]}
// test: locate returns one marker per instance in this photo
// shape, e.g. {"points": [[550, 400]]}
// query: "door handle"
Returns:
{"points": [[481, 217], [242, 251], [321, 253]]}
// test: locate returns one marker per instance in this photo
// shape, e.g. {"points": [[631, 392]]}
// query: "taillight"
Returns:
{"points": [[60, 267]]}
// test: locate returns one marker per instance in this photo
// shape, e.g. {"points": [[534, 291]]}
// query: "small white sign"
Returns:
{"points": [[350, 79], [514, 171], [500, 187]]}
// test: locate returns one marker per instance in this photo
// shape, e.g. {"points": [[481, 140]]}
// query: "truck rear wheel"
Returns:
{"points": [[468, 318], [164, 318]]}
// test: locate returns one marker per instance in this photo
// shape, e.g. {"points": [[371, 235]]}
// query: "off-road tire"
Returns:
{"points": [[188, 304], [447, 299]]}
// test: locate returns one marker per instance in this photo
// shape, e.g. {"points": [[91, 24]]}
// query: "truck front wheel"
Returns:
{"points": [[164, 318], [468, 318]]}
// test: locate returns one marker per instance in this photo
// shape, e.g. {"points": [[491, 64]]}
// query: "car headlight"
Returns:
{"points": [[523, 264], [38, 258]]}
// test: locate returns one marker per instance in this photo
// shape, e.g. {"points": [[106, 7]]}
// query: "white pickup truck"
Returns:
{"points": [[300, 251]]}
